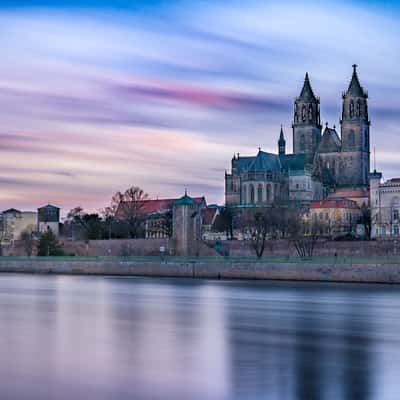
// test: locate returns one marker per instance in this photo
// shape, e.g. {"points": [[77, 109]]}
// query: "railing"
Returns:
{"points": [[221, 259]]}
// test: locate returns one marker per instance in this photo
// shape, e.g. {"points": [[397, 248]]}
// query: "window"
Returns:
{"points": [[260, 194], [358, 108], [303, 113], [351, 109], [352, 140], [244, 200], [302, 142], [296, 115], [310, 112], [268, 193], [396, 230], [396, 215], [251, 194], [297, 186]]}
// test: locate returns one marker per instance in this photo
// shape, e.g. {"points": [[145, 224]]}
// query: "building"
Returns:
{"points": [[155, 214], [322, 161], [186, 219], [48, 218], [334, 218], [15, 222], [385, 206]]}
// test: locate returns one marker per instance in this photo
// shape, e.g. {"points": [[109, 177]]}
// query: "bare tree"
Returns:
{"points": [[304, 233], [261, 224], [110, 213], [130, 210]]}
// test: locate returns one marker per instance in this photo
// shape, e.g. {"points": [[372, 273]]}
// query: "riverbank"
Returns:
{"points": [[315, 269]]}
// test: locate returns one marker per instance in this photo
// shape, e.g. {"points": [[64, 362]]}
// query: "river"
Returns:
{"points": [[77, 337]]}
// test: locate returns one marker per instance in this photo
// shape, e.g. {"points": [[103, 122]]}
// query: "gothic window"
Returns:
{"points": [[268, 193], [296, 115], [352, 140], [302, 142], [351, 109], [252, 194], [310, 112], [259, 193], [303, 113], [358, 108]]}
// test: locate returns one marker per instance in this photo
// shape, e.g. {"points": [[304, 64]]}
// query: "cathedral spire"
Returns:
{"points": [[281, 143], [355, 88], [307, 93]]}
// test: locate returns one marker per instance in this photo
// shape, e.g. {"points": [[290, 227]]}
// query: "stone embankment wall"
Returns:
{"points": [[298, 271]]}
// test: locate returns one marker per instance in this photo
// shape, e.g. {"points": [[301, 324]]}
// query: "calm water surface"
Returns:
{"points": [[130, 338]]}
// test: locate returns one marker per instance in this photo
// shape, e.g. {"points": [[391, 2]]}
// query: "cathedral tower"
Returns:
{"points": [[355, 133], [306, 122]]}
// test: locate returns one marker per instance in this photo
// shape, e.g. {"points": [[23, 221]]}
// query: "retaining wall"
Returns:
{"points": [[381, 272]]}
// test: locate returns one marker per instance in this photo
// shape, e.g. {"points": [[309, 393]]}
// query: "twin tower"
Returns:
{"points": [[345, 160]]}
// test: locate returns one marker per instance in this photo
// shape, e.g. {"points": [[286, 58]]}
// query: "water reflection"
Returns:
{"points": [[127, 338]]}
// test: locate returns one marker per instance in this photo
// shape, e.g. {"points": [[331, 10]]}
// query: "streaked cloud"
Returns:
{"points": [[97, 96]]}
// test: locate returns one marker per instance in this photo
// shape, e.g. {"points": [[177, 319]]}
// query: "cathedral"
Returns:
{"points": [[322, 161]]}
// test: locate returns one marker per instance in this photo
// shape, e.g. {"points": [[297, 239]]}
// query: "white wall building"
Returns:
{"points": [[385, 206]]}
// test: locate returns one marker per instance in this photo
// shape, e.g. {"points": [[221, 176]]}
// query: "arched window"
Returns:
{"points": [[358, 108], [310, 112], [260, 193], [351, 109], [252, 194], [244, 195], [303, 113], [302, 142], [352, 140], [268, 193]]}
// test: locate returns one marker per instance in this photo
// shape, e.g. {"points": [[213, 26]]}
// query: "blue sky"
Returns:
{"points": [[96, 96]]}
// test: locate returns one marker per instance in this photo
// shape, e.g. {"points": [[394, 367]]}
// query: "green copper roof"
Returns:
{"points": [[184, 200]]}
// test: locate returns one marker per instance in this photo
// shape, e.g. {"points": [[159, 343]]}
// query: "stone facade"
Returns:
{"points": [[15, 222], [186, 228], [321, 163], [385, 207]]}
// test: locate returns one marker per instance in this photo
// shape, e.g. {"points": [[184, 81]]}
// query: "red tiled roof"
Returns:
{"points": [[158, 205], [334, 204], [345, 193]]}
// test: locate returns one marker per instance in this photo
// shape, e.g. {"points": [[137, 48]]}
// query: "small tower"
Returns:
{"points": [[282, 143], [355, 131], [186, 226], [306, 122]]}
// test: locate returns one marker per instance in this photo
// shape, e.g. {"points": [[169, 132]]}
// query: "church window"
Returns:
{"points": [[268, 193], [252, 194], [303, 113], [352, 140], [260, 194], [302, 142], [351, 109], [358, 108], [310, 112]]}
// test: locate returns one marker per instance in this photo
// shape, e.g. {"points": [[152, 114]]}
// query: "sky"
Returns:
{"points": [[98, 96]]}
